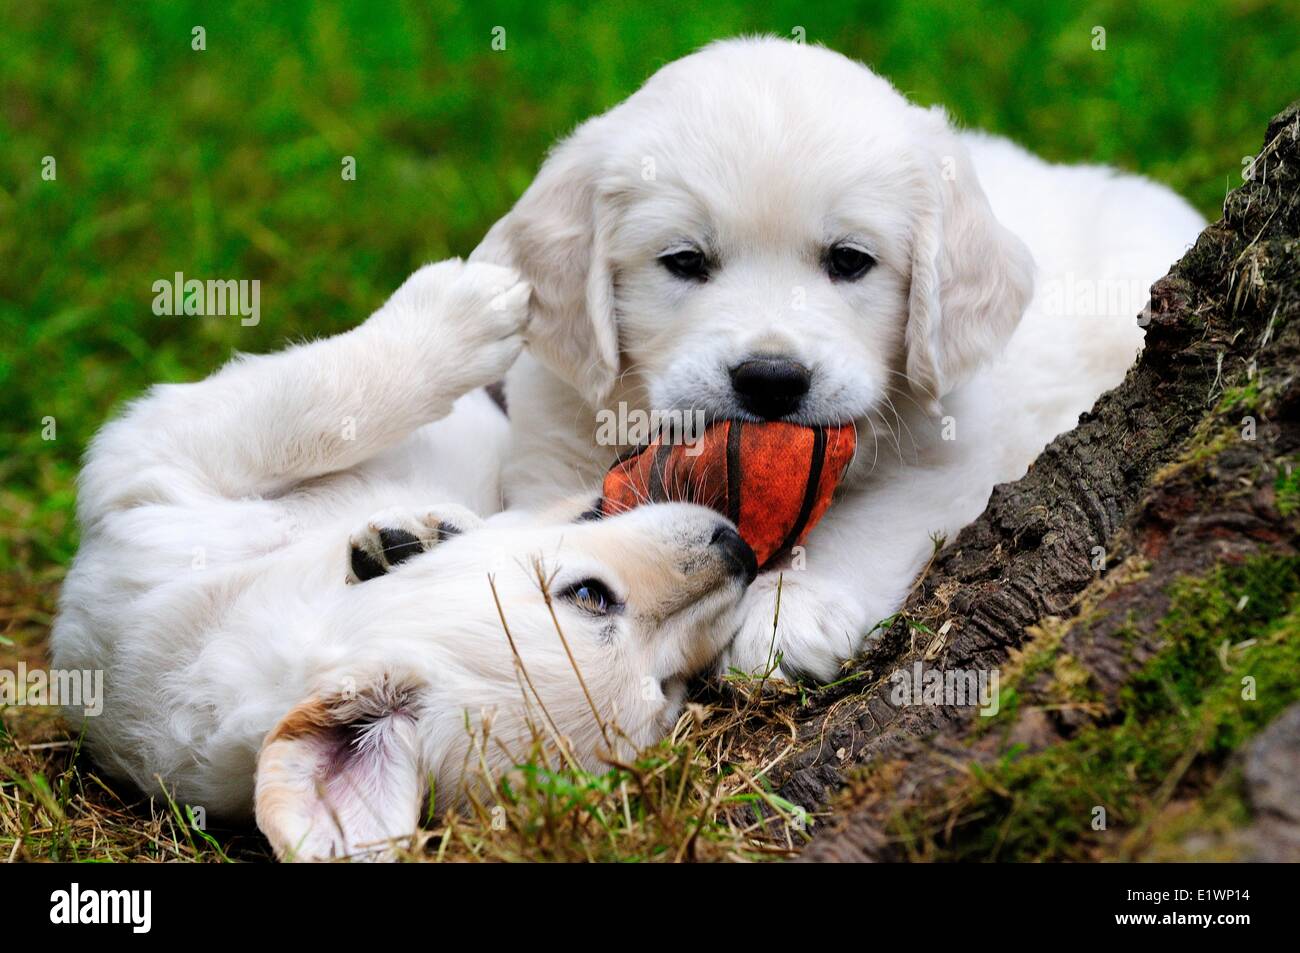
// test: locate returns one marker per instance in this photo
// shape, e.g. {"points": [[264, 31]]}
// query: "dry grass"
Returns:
{"points": [[54, 803], [702, 794]]}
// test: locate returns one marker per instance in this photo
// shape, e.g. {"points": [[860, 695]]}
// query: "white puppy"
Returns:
{"points": [[223, 522], [768, 230]]}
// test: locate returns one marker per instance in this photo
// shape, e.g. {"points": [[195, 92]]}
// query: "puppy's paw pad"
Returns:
{"points": [[449, 520], [392, 536]]}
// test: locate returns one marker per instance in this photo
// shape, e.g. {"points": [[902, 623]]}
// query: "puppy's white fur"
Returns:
{"points": [[211, 583], [955, 366]]}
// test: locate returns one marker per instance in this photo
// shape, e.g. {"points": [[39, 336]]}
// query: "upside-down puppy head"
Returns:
{"points": [[764, 230], [425, 670]]}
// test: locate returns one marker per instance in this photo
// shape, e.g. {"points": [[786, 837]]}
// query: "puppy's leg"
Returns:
{"points": [[857, 568], [394, 535], [262, 424]]}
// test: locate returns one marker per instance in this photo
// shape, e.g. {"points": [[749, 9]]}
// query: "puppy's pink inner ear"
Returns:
{"points": [[340, 777]]}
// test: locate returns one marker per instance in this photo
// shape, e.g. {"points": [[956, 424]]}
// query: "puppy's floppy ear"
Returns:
{"points": [[339, 776], [555, 236], [971, 278]]}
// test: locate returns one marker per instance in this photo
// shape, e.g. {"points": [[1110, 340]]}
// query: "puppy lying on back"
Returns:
{"points": [[284, 576], [769, 231]]}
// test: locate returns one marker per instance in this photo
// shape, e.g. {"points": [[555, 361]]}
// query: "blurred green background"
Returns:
{"points": [[225, 163]]}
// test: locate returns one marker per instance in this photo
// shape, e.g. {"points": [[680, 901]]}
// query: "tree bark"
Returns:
{"points": [[1182, 468]]}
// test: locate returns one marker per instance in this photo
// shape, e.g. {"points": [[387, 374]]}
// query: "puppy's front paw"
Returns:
{"points": [[486, 311], [818, 627], [470, 317], [392, 536]]}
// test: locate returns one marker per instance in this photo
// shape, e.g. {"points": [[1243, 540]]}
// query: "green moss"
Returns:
{"points": [[1287, 488], [1071, 682], [1245, 397], [1069, 685], [1204, 829], [1038, 655], [1210, 438], [1041, 652], [1228, 663], [1221, 429]]}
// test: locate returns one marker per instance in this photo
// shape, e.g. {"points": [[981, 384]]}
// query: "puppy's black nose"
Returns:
{"points": [[770, 387], [740, 557]]}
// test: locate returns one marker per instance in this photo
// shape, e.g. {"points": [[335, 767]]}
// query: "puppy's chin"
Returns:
{"points": [[715, 615]]}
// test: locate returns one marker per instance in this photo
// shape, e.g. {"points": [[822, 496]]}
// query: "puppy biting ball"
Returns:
{"points": [[774, 480]]}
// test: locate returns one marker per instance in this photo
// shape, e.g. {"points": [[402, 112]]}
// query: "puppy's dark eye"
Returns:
{"points": [[848, 262], [592, 595], [688, 263]]}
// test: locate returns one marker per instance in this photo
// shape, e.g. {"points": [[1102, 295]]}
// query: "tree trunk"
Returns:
{"points": [[1125, 727]]}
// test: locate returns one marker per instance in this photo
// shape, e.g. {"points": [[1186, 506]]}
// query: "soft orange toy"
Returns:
{"points": [[773, 480]]}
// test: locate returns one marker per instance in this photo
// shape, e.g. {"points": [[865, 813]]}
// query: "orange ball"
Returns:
{"points": [[773, 480]]}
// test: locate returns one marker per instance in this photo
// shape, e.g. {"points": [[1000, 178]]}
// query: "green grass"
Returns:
{"points": [[225, 163]]}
